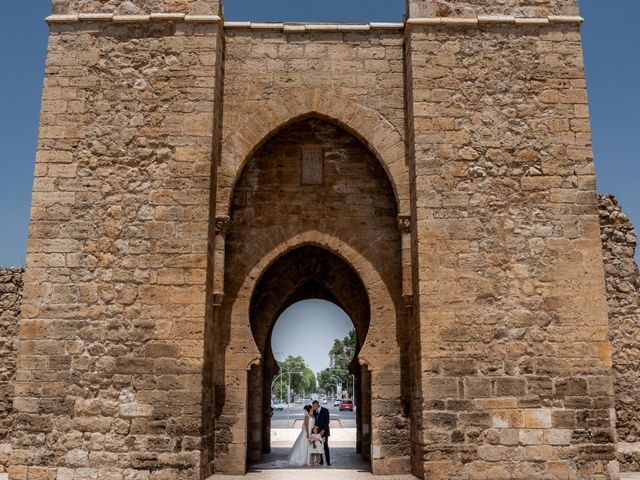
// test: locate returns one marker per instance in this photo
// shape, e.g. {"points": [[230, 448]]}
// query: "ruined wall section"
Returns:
{"points": [[619, 243], [110, 365], [512, 308], [10, 301]]}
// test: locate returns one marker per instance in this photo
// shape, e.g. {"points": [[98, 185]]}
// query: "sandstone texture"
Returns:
{"points": [[111, 353], [435, 180], [513, 315], [10, 301], [473, 8], [136, 7]]}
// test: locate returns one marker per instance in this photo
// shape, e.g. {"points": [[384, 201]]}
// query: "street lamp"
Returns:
{"points": [[338, 380], [353, 382], [288, 391]]}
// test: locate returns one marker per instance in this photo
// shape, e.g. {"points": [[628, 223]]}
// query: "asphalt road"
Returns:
{"points": [[279, 420]]}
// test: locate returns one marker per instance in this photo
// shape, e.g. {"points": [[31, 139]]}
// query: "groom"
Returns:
{"points": [[322, 422]]}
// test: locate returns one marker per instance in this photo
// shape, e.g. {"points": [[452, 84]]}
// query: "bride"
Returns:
{"points": [[299, 454]]}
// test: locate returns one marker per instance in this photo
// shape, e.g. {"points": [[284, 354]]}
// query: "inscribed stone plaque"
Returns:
{"points": [[312, 166]]}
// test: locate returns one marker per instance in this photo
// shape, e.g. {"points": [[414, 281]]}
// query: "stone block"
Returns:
{"points": [[131, 410], [537, 418], [531, 437]]}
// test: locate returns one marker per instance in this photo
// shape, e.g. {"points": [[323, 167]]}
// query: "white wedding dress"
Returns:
{"points": [[299, 454]]}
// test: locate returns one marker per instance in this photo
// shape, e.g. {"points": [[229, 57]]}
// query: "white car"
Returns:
{"points": [[278, 406], [337, 402]]}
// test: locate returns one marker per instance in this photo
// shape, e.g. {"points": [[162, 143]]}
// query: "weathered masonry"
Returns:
{"points": [[434, 178]]}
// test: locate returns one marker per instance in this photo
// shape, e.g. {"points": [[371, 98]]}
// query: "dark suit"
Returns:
{"points": [[322, 422]]}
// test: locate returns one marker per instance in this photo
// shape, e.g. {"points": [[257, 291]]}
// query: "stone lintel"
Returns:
{"points": [[266, 26], [496, 20], [570, 19], [532, 21], [168, 17], [386, 26], [317, 27], [290, 28], [108, 17], [131, 18], [94, 17], [237, 24]]}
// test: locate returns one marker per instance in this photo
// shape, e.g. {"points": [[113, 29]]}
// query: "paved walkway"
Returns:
{"points": [[345, 465], [349, 470]]}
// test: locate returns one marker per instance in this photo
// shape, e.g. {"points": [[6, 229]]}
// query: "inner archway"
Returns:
{"points": [[313, 216], [308, 272], [314, 342]]}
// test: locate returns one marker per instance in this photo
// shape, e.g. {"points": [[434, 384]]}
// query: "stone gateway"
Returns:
{"points": [[434, 178]]}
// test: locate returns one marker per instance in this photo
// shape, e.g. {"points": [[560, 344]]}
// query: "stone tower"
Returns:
{"points": [[195, 177]]}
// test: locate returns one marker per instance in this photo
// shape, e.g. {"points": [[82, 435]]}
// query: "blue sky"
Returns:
{"points": [[308, 329], [611, 51]]}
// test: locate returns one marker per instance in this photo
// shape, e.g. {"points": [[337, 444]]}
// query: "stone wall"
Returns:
{"points": [[459, 187], [111, 355], [623, 294], [10, 301], [512, 316], [355, 78]]}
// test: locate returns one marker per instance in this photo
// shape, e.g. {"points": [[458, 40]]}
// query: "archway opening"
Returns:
{"points": [[313, 216], [314, 343], [308, 293]]}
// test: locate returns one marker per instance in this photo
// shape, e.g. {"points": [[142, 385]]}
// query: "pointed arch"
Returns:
{"points": [[376, 344], [367, 125], [307, 272]]}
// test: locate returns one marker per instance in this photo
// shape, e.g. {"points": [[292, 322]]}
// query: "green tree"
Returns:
{"points": [[303, 380], [340, 357], [343, 351], [280, 388]]}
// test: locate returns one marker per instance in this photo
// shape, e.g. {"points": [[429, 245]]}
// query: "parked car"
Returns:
{"points": [[346, 405], [278, 406], [337, 402], [324, 401]]}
